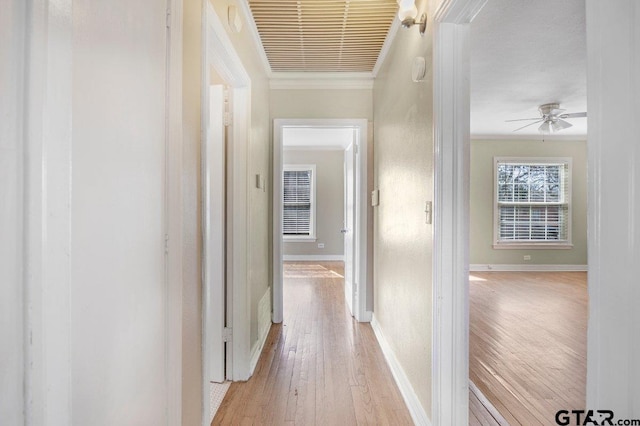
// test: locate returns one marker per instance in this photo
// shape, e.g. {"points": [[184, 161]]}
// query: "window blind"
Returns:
{"points": [[297, 202], [532, 202]]}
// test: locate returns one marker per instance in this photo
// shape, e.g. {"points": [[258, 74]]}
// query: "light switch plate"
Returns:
{"points": [[375, 197]]}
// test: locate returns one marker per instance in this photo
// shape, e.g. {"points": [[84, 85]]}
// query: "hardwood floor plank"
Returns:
{"points": [[318, 367], [527, 342]]}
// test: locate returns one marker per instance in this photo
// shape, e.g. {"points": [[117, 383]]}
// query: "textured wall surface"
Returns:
{"points": [[402, 240]]}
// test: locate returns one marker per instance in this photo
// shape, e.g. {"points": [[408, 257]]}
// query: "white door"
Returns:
{"points": [[348, 229], [214, 223]]}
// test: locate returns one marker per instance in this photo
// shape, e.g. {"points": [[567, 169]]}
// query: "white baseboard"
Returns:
{"points": [[264, 325], [527, 268], [418, 414], [367, 316], [313, 257]]}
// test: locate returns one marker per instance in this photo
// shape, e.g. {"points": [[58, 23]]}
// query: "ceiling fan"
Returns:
{"points": [[552, 119]]}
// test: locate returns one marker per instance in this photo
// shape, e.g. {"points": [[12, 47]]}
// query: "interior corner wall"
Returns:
{"points": [[329, 202], [192, 215], [259, 163], [12, 54], [482, 201], [258, 256], [403, 242]]}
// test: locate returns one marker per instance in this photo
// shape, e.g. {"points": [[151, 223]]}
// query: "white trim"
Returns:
{"points": [[12, 218], [47, 152], [313, 206], [362, 206], [312, 257], [298, 239], [487, 405], [386, 46], [218, 52], [531, 138], [264, 325], [451, 110], [613, 96], [526, 268], [174, 216], [255, 35], [313, 148], [567, 191], [321, 80], [417, 411]]}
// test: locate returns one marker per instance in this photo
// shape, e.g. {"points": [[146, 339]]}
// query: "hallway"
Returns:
{"points": [[319, 366]]}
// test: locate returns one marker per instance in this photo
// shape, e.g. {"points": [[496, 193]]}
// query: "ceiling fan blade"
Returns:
{"points": [[530, 124], [557, 111], [573, 115], [544, 127], [522, 119], [556, 126]]}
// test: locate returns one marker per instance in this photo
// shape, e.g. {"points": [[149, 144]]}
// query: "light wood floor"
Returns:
{"points": [[319, 366], [527, 342]]}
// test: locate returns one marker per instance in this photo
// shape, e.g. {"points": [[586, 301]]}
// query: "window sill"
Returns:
{"points": [[300, 239], [532, 246]]}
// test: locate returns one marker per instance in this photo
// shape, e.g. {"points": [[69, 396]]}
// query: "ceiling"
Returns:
{"points": [[323, 35], [523, 54]]}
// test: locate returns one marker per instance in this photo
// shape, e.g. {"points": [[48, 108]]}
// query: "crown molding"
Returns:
{"points": [[321, 80], [255, 35]]}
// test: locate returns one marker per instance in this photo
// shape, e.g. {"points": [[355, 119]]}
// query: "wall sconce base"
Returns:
{"points": [[422, 23]]}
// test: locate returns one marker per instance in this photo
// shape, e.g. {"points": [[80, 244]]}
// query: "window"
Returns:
{"points": [[298, 219], [532, 203]]}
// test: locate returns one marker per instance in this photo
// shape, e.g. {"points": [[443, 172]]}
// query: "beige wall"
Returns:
{"points": [[481, 227], [192, 219], [258, 215], [329, 202], [402, 240], [325, 103]]}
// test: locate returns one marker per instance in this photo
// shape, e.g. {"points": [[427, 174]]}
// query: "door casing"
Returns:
{"points": [[360, 126]]}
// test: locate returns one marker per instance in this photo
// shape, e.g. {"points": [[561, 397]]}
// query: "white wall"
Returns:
{"points": [[12, 28], [482, 201], [402, 239], [329, 202], [117, 316], [613, 93]]}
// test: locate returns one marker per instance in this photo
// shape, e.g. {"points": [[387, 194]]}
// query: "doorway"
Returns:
{"points": [[225, 103], [350, 137]]}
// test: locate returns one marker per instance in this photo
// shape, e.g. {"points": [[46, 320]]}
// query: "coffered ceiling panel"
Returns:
{"points": [[323, 35]]}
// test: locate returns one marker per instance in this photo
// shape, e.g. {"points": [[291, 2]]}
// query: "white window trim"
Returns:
{"points": [[530, 245], [312, 219]]}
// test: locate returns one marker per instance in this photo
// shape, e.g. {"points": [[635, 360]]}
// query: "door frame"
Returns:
{"points": [[218, 52], [451, 110], [361, 278]]}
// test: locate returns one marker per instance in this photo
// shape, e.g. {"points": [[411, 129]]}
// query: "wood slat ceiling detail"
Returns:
{"points": [[323, 35]]}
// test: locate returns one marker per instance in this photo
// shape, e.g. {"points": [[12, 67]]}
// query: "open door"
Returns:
{"points": [[349, 220], [214, 231]]}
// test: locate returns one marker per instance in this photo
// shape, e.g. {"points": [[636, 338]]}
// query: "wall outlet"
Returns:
{"points": [[320, 245], [527, 257]]}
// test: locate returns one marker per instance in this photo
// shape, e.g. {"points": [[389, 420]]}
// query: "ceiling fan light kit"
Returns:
{"points": [[552, 118]]}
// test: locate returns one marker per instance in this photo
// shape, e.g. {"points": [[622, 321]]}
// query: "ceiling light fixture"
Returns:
{"points": [[407, 15]]}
